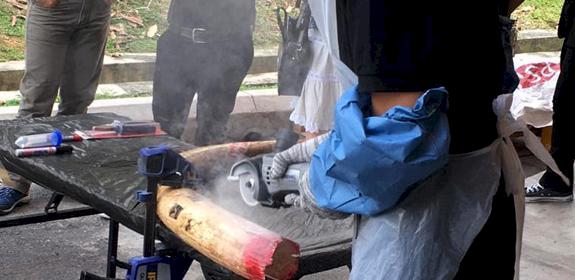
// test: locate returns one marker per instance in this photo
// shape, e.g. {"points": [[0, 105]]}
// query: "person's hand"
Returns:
{"points": [[47, 3], [306, 200], [301, 152]]}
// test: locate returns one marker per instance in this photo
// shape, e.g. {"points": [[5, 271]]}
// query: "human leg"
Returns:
{"points": [[551, 187], [48, 33], [218, 87], [172, 93], [84, 59]]}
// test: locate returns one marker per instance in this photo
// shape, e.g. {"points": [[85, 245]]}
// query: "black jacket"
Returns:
{"points": [[567, 19]]}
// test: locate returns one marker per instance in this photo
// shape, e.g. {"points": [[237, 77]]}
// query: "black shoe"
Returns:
{"points": [[538, 193]]}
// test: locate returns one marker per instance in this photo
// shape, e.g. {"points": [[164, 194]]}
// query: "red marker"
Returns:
{"points": [[44, 151], [72, 138]]}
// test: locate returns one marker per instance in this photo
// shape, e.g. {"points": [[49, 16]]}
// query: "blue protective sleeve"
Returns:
{"points": [[369, 162]]}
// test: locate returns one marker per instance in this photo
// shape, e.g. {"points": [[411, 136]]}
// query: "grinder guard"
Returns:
{"points": [[256, 185]]}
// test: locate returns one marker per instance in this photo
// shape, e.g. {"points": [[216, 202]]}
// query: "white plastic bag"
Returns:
{"points": [[533, 99]]}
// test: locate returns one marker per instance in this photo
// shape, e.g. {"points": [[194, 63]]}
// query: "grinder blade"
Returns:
{"points": [[249, 187], [247, 174]]}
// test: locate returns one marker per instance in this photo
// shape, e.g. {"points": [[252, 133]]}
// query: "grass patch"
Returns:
{"points": [[133, 22], [10, 102], [256, 87], [10, 52], [116, 96], [133, 19], [6, 28], [267, 33], [11, 37], [538, 14]]}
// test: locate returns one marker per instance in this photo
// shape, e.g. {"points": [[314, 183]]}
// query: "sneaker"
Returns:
{"points": [[537, 193], [10, 198]]}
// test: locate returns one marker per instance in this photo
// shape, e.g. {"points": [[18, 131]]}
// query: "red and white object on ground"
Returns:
{"points": [[533, 99]]}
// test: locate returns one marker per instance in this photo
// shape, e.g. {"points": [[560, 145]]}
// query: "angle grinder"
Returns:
{"points": [[255, 183]]}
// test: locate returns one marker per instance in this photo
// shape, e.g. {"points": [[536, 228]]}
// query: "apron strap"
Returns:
{"points": [[507, 125]]}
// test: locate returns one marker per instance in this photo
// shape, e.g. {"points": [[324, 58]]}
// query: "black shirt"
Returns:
{"points": [[567, 19], [397, 46]]}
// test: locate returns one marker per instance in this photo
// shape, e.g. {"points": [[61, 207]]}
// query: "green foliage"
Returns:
{"points": [[6, 27], [134, 37], [10, 102], [541, 14], [11, 37], [538, 14], [256, 87], [266, 33], [10, 53]]}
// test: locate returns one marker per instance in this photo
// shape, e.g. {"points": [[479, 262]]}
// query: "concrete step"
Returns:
{"points": [[133, 67], [138, 89], [132, 89], [130, 67], [531, 41]]}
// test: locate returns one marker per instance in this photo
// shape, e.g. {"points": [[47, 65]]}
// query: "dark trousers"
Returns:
{"points": [[213, 70], [563, 137], [64, 51], [492, 254]]}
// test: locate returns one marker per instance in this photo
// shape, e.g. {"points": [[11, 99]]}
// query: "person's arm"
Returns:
{"points": [[383, 101], [301, 152]]}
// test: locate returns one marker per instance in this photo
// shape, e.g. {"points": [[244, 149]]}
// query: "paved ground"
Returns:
{"points": [[60, 250], [549, 235]]}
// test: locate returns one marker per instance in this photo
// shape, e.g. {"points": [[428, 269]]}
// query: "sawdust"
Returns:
{"points": [[311, 232]]}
